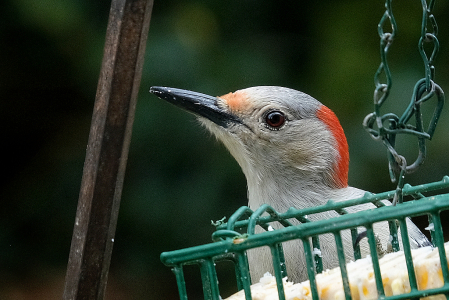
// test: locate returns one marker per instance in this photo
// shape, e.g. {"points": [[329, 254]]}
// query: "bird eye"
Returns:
{"points": [[275, 119]]}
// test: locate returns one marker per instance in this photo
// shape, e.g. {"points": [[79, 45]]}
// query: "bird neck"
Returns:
{"points": [[299, 190]]}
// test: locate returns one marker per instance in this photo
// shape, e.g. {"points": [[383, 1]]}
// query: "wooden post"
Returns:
{"points": [[107, 149]]}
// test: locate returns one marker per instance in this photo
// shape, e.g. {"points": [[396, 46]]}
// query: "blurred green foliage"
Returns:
{"points": [[178, 177]]}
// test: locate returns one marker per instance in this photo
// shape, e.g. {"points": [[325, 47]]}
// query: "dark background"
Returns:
{"points": [[178, 177]]}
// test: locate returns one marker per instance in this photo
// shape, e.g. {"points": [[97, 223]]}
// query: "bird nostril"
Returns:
{"points": [[275, 119]]}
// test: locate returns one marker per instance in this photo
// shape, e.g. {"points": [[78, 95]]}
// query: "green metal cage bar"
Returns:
{"points": [[342, 263], [310, 272], [230, 244], [375, 258]]}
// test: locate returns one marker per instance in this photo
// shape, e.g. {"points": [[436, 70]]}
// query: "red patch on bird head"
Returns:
{"points": [[237, 101], [341, 166]]}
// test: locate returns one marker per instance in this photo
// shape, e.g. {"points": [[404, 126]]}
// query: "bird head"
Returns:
{"points": [[289, 145]]}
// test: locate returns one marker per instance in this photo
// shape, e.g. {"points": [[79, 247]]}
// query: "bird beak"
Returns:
{"points": [[197, 103]]}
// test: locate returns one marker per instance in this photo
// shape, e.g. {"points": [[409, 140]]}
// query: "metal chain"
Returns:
{"points": [[386, 127]]}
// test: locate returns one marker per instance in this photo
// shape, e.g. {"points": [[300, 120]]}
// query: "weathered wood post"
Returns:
{"points": [[107, 149]]}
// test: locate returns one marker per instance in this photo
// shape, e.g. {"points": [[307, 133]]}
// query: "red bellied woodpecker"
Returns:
{"points": [[293, 152]]}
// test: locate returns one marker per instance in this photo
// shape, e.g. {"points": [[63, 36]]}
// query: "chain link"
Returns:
{"points": [[386, 127]]}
